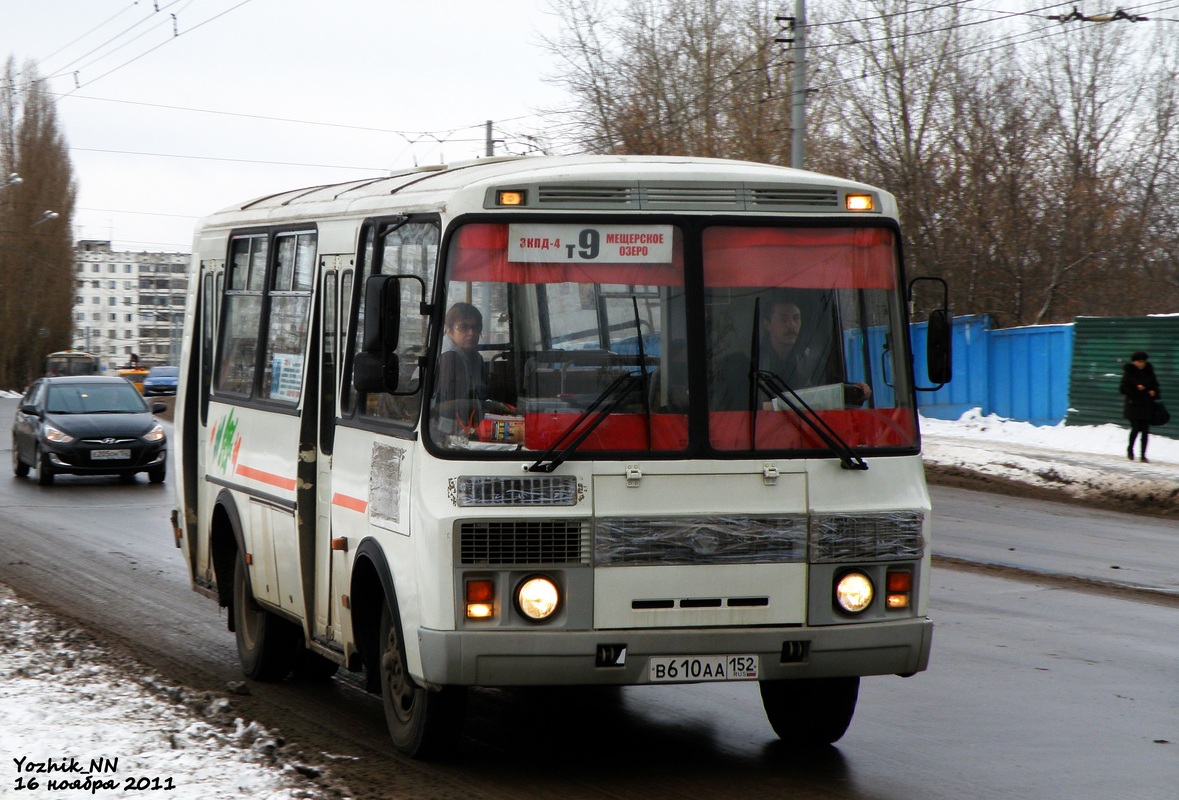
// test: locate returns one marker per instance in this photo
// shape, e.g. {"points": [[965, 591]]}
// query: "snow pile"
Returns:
{"points": [[74, 716], [1083, 463]]}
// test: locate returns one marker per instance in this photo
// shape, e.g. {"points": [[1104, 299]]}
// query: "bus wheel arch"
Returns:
{"points": [[266, 643], [225, 541], [423, 723]]}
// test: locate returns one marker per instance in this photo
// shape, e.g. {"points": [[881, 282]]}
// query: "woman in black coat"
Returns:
{"points": [[1141, 389]]}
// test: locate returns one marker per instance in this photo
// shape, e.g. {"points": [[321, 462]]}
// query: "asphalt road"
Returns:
{"points": [[1036, 689]]}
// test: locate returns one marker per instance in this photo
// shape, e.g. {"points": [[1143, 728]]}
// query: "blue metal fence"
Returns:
{"points": [[1017, 373]]}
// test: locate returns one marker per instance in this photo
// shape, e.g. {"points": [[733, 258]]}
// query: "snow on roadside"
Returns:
{"points": [[67, 703], [1084, 463]]}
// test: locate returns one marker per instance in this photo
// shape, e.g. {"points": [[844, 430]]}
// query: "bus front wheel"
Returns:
{"points": [[423, 724], [810, 712], [265, 642]]}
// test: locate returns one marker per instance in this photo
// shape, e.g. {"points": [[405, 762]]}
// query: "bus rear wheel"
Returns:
{"points": [[265, 642], [423, 724], [810, 712]]}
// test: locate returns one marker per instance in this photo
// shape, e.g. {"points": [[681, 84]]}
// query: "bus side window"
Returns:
{"points": [[289, 309], [408, 250], [237, 353]]}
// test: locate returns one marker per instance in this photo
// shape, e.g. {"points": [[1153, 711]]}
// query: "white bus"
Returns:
{"points": [[560, 421]]}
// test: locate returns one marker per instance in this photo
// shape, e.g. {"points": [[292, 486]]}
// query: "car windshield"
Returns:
{"points": [[94, 398]]}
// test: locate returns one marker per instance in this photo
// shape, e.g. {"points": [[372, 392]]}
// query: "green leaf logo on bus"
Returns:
{"points": [[225, 441]]}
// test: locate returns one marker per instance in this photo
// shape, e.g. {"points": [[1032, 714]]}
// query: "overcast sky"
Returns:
{"points": [[164, 129]]}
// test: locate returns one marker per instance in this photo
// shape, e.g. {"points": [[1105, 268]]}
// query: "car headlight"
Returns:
{"points": [[538, 598], [156, 434], [854, 592], [56, 436]]}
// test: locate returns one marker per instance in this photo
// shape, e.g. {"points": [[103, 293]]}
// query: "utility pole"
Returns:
{"points": [[795, 39], [490, 148]]}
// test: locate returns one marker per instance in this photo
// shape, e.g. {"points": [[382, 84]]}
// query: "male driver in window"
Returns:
{"points": [[460, 386], [798, 364]]}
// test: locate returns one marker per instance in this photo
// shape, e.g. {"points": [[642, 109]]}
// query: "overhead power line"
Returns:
{"points": [[1117, 16]]}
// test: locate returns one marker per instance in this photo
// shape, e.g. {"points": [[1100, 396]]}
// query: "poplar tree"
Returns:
{"points": [[36, 249]]}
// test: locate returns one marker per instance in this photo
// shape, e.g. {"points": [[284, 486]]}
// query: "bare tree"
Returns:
{"points": [[36, 248], [1036, 163], [673, 78]]}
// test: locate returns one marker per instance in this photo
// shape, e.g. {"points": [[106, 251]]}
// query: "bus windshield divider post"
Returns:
{"points": [[643, 370]]}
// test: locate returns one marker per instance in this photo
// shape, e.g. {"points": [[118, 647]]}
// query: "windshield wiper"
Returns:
{"points": [[622, 386], [774, 386]]}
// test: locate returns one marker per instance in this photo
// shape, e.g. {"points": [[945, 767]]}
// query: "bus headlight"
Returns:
{"points": [[538, 597], [854, 592]]}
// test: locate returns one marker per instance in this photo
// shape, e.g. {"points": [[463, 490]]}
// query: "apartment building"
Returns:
{"points": [[129, 302]]}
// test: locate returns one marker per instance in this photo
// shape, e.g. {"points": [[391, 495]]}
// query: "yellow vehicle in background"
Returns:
{"points": [[133, 372]]}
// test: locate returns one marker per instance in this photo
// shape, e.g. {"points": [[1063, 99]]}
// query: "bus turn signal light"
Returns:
{"points": [[480, 598], [900, 590]]}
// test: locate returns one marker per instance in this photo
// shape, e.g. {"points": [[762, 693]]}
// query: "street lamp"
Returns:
{"points": [[46, 216], [12, 180]]}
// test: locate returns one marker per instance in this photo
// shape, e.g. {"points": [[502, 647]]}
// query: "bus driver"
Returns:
{"points": [[797, 365], [460, 387]]}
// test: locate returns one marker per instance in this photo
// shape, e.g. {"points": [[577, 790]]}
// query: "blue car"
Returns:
{"points": [[161, 380]]}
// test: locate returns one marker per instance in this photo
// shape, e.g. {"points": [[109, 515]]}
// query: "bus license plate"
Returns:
{"points": [[672, 669], [109, 455]]}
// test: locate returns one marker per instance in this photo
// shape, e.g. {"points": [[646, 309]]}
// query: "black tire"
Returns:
{"points": [[45, 472], [423, 724], [19, 468], [810, 712], [266, 643], [157, 474]]}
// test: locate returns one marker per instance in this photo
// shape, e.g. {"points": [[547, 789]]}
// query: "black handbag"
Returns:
{"points": [[1159, 414]]}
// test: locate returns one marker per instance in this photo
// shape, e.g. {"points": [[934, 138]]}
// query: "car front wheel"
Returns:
{"points": [[45, 471], [19, 468]]}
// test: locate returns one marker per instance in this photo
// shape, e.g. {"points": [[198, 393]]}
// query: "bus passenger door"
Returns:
{"points": [[328, 559]]}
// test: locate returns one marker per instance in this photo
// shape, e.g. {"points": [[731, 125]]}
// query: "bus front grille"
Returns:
{"points": [[504, 542]]}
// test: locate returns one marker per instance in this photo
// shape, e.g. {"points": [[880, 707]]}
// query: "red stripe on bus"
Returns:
{"points": [[266, 477], [351, 503]]}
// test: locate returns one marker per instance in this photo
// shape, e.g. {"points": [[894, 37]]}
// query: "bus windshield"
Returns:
{"points": [[582, 338]]}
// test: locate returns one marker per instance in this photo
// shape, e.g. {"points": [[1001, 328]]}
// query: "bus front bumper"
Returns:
{"points": [[540, 658]]}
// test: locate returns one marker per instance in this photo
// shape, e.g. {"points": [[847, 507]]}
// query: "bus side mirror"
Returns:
{"points": [[375, 372], [376, 367], [939, 346], [939, 336], [382, 313]]}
